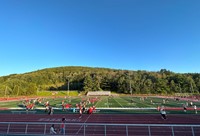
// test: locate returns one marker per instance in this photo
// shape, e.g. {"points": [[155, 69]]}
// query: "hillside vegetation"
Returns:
{"points": [[96, 79]]}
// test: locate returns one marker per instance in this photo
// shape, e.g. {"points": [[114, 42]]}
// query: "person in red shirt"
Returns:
{"points": [[62, 126], [90, 110], [67, 106]]}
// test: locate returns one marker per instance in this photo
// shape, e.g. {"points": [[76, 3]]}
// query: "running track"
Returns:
{"points": [[104, 118], [111, 118]]}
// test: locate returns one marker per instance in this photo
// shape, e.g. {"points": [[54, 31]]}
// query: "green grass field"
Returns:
{"points": [[107, 104]]}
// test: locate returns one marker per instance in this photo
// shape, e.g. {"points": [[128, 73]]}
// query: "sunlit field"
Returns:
{"points": [[106, 104]]}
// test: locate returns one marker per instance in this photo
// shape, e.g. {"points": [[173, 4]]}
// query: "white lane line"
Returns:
{"points": [[82, 125]]}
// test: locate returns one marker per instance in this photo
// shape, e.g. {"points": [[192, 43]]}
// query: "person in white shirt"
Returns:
{"points": [[195, 109], [191, 103], [52, 130], [163, 114]]}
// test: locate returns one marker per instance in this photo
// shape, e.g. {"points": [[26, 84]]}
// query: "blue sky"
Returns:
{"points": [[122, 34]]}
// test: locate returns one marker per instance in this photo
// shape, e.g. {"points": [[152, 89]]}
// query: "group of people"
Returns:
{"points": [[29, 104], [190, 105], [60, 130], [65, 105], [163, 112], [82, 109]]}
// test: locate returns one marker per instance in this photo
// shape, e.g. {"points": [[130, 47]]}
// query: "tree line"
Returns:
{"points": [[97, 79]]}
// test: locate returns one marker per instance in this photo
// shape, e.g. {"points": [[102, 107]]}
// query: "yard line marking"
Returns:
{"points": [[118, 103], [97, 102], [107, 102]]}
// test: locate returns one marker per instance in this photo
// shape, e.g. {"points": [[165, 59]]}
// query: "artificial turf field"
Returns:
{"points": [[107, 104]]}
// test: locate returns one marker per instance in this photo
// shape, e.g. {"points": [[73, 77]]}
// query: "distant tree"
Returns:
{"points": [[96, 83], [88, 84], [94, 79]]}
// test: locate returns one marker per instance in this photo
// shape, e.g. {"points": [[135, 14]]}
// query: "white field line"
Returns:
{"points": [[97, 103], [107, 102], [99, 108], [130, 108], [118, 102]]}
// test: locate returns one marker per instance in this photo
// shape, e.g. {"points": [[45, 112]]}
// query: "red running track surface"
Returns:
{"points": [[104, 118], [109, 118]]}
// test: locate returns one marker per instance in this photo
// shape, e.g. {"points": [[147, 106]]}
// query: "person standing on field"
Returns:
{"points": [[163, 114], [195, 109], [184, 108], [80, 112]]}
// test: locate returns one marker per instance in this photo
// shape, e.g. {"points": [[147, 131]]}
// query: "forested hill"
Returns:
{"points": [[96, 79]]}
